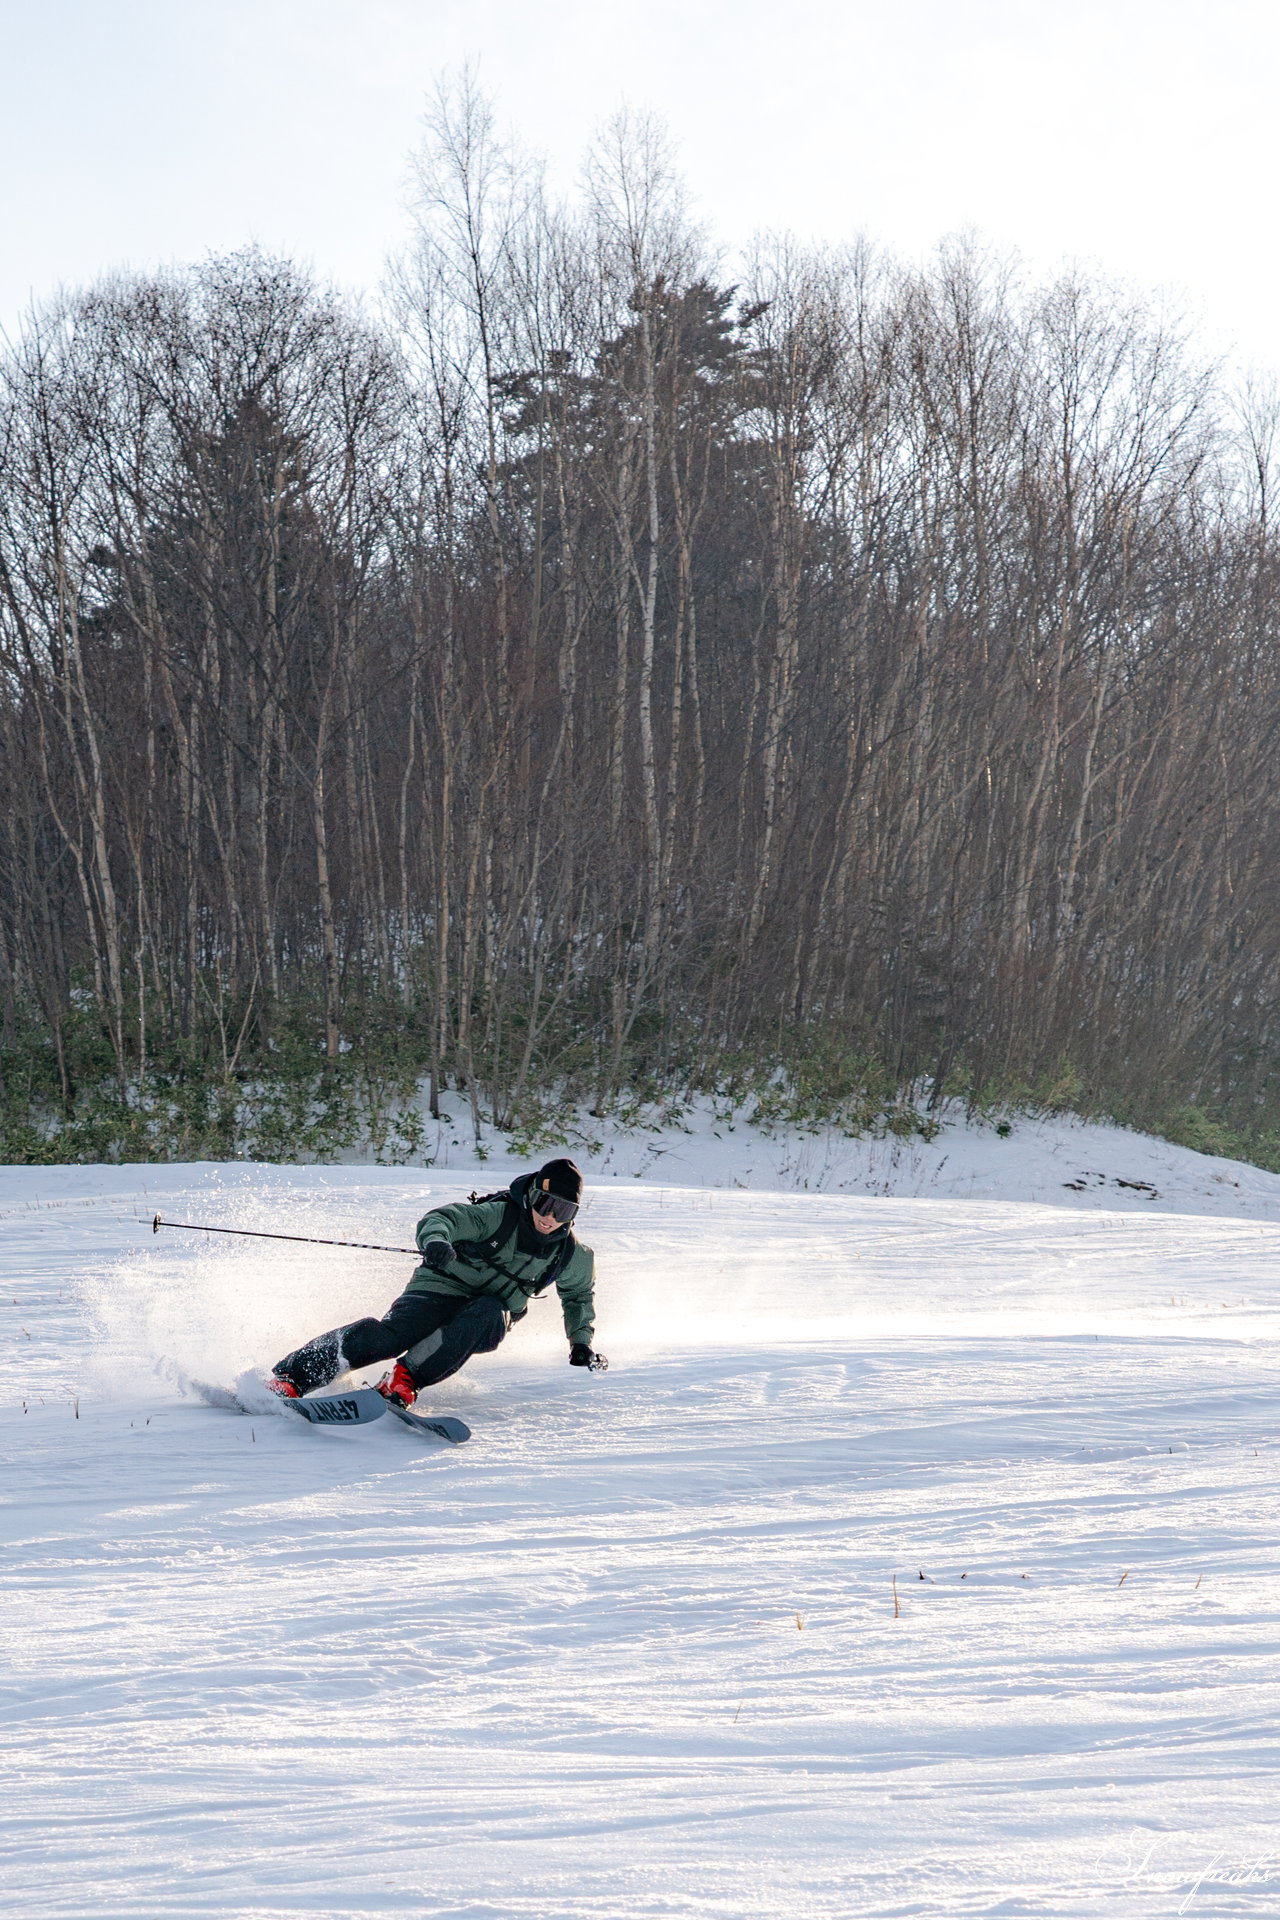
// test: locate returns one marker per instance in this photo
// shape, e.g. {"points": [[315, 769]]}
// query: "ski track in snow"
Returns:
{"points": [[632, 1651]]}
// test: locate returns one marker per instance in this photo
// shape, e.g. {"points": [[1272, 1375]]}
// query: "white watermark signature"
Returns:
{"points": [[1136, 1860]]}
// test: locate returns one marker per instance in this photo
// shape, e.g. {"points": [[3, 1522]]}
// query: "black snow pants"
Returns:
{"points": [[436, 1332]]}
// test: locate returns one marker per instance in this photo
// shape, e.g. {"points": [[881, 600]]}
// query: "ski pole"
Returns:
{"points": [[248, 1233]]}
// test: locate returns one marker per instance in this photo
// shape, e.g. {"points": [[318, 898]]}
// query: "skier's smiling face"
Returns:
{"points": [[544, 1222]]}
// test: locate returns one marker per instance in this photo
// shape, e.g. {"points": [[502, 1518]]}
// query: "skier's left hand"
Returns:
{"points": [[580, 1356]]}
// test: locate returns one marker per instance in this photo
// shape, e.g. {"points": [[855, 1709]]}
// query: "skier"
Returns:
{"points": [[481, 1262]]}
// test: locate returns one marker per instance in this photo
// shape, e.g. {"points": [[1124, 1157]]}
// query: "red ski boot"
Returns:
{"points": [[398, 1385], [285, 1388]]}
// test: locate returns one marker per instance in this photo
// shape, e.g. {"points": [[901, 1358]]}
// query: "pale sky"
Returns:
{"points": [[1138, 136]]}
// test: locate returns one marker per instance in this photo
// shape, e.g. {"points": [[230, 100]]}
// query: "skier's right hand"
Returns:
{"points": [[438, 1255]]}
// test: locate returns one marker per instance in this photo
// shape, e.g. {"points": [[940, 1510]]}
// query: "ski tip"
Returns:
{"points": [[214, 1396]]}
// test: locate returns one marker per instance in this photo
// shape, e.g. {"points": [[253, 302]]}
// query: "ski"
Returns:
{"points": [[354, 1409], [442, 1426]]}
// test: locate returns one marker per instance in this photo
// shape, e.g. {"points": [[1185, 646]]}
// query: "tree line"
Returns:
{"points": [[582, 674]]}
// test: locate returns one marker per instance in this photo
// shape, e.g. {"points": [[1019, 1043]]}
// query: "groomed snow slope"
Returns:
{"points": [[633, 1651]]}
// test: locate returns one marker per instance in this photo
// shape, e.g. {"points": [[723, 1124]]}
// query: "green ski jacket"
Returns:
{"points": [[517, 1269]]}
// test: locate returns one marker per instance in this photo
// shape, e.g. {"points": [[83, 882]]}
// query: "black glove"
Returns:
{"points": [[437, 1254], [580, 1356]]}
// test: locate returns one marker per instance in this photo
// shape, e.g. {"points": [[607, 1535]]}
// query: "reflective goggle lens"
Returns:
{"points": [[561, 1210]]}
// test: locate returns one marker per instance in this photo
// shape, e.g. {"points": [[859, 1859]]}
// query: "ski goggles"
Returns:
{"points": [[561, 1210]]}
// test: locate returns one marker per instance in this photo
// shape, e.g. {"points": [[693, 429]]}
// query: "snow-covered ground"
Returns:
{"points": [[1065, 1162], [636, 1650], [1062, 1161]]}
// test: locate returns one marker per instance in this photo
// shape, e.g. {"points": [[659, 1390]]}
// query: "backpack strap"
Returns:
{"points": [[563, 1255], [489, 1252], [496, 1243]]}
